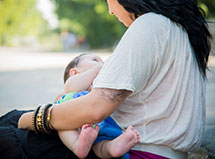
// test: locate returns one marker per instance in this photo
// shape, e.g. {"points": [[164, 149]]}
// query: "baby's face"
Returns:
{"points": [[88, 61]]}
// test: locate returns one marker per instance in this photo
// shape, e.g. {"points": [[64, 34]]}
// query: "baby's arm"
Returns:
{"points": [[82, 81], [72, 139]]}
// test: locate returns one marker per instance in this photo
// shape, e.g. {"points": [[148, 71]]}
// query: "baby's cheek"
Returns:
{"points": [[90, 88]]}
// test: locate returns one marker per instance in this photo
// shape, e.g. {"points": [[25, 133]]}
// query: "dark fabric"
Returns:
{"points": [[25, 144]]}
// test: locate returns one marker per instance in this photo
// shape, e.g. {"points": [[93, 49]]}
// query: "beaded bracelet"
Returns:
{"points": [[41, 119], [34, 120]]}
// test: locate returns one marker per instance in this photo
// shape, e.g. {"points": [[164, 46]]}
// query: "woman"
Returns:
{"points": [[154, 80]]}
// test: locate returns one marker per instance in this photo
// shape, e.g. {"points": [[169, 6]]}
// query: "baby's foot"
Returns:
{"points": [[124, 142], [87, 136]]}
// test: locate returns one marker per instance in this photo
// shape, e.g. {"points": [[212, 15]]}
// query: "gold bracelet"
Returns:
{"points": [[46, 118], [39, 119], [49, 119]]}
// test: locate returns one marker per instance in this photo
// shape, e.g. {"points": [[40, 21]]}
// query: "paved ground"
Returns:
{"points": [[28, 78]]}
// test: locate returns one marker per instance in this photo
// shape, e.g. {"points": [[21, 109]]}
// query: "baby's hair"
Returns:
{"points": [[72, 64]]}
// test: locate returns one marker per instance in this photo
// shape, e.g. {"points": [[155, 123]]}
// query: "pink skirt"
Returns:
{"points": [[133, 154]]}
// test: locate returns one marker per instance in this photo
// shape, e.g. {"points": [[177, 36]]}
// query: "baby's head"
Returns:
{"points": [[81, 63]]}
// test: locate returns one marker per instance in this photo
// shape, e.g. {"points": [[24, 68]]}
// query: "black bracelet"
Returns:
{"points": [[34, 122], [41, 119]]}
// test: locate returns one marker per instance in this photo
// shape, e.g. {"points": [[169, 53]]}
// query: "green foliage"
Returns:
{"points": [[90, 19], [209, 7], [19, 17], [85, 18]]}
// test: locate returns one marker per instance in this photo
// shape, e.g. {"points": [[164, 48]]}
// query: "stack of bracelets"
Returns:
{"points": [[41, 119]]}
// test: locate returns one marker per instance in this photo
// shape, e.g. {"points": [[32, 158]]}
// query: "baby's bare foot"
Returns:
{"points": [[124, 142], [87, 136]]}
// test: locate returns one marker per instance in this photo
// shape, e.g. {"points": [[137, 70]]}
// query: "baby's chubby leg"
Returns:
{"points": [[86, 139], [119, 146], [80, 143]]}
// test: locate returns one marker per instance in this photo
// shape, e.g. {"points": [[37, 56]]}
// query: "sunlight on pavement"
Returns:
{"points": [[19, 60], [13, 60]]}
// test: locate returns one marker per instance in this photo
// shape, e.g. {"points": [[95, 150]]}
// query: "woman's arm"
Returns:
{"points": [[25, 121], [82, 81], [91, 108]]}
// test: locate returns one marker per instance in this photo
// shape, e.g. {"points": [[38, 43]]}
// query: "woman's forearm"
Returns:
{"points": [[70, 115], [75, 113], [91, 108], [25, 121], [66, 116]]}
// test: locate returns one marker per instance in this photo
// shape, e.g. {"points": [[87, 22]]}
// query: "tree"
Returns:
{"points": [[89, 18], [209, 7], [19, 17]]}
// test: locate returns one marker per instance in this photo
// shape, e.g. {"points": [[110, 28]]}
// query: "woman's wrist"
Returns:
{"points": [[25, 121], [41, 119], [38, 121]]}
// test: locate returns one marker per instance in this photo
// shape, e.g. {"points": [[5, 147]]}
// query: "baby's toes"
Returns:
{"points": [[97, 128], [85, 126], [131, 127]]}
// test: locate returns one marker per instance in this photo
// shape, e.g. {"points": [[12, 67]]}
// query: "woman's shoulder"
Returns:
{"points": [[151, 17], [150, 24], [150, 20]]}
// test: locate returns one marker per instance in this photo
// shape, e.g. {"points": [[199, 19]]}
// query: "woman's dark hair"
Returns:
{"points": [[72, 64], [184, 12]]}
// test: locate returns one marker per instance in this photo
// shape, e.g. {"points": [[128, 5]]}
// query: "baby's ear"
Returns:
{"points": [[73, 71]]}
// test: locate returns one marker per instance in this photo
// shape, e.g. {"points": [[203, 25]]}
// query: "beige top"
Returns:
{"points": [[155, 61]]}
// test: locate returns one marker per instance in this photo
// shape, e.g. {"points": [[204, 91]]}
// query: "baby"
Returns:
{"points": [[107, 141]]}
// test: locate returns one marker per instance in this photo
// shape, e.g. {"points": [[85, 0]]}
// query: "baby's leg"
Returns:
{"points": [[70, 139], [119, 146], [86, 138], [80, 143]]}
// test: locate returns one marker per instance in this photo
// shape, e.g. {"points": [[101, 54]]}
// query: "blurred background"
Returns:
{"points": [[38, 38], [64, 25], [58, 25]]}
